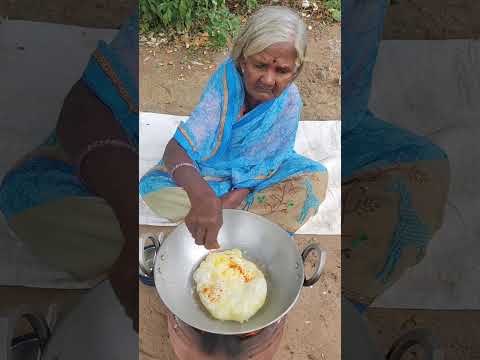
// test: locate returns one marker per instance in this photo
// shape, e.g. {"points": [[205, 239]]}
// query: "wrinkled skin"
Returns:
{"points": [[268, 73]]}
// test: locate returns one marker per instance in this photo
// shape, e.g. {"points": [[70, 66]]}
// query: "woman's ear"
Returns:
{"points": [[242, 63], [297, 72]]}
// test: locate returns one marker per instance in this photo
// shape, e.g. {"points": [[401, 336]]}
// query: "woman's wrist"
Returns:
{"points": [[201, 194], [194, 185]]}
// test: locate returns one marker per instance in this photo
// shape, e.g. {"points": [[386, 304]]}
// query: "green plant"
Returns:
{"points": [[165, 14], [192, 16], [335, 9], [251, 5], [220, 25]]}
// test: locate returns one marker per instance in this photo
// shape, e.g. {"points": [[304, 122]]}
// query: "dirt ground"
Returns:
{"points": [[432, 20], [457, 332]]}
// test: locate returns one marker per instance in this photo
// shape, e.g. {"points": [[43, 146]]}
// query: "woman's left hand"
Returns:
{"points": [[234, 198]]}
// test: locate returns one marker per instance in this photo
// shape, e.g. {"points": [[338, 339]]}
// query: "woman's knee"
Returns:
{"points": [[80, 236], [171, 203], [319, 181], [292, 202]]}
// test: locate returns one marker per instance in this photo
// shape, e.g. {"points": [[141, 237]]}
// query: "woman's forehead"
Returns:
{"points": [[283, 53]]}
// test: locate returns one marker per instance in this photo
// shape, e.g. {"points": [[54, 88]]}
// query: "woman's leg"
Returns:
{"points": [[79, 235], [388, 218], [171, 203], [51, 212], [289, 203], [292, 202]]}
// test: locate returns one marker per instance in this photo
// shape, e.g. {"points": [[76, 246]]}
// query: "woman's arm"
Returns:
{"points": [[205, 217], [186, 177], [108, 172], [111, 173]]}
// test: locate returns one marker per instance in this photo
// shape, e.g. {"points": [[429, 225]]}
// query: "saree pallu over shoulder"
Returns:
{"points": [[208, 127]]}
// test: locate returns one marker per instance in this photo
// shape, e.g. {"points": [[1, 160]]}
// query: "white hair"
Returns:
{"points": [[268, 26]]}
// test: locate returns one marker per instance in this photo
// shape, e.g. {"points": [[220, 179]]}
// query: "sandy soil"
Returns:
{"points": [[456, 331], [88, 13], [432, 20]]}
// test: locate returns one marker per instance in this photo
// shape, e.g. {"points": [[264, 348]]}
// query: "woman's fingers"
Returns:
{"points": [[197, 229], [200, 235], [215, 224], [192, 228], [204, 222], [211, 237]]}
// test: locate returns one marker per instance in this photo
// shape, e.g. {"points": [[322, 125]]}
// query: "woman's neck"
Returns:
{"points": [[250, 104]]}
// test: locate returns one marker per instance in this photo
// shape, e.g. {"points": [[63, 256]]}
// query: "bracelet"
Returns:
{"points": [[178, 166], [99, 144]]}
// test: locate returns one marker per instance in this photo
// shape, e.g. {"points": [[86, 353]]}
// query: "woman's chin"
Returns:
{"points": [[263, 96]]}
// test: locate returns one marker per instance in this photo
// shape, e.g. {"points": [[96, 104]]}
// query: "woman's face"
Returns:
{"points": [[269, 72]]}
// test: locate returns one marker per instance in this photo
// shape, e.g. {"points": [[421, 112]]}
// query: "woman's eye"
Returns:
{"points": [[283, 71], [260, 66]]}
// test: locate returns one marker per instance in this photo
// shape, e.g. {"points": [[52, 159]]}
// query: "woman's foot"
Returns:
{"points": [[234, 198]]}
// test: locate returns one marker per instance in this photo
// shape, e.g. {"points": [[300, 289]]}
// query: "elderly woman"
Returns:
{"points": [[236, 148]]}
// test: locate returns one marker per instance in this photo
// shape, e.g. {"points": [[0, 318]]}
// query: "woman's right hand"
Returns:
{"points": [[205, 219]]}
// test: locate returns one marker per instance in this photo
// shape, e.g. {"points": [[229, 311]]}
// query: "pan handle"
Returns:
{"points": [[157, 242], [322, 255], [421, 337]]}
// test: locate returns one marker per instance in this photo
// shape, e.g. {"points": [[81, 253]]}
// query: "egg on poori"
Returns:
{"points": [[229, 286]]}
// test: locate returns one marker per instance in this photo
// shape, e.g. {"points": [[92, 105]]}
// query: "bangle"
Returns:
{"points": [[178, 166], [100, 144]]}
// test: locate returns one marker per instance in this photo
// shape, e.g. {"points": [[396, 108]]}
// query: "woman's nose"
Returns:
{"points": [[268, 79]]}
